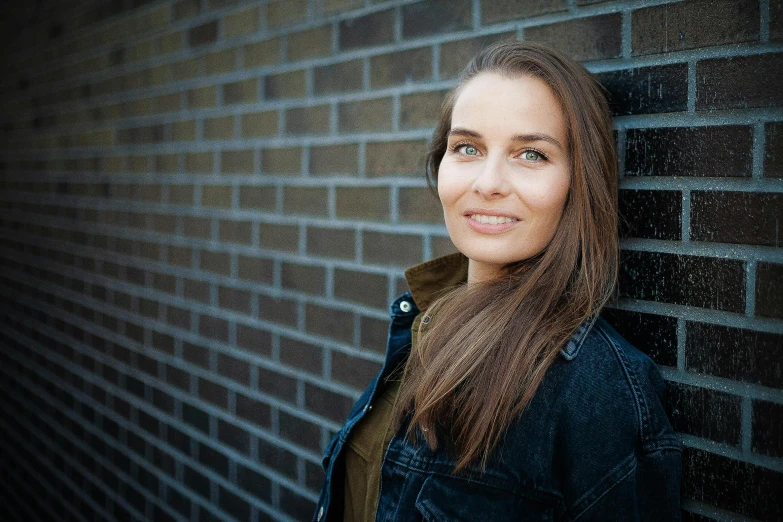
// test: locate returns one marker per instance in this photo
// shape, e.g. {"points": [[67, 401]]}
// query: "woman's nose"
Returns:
{"points": [[491, 181]]}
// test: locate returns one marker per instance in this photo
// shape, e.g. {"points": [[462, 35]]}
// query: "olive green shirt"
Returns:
{"points": [[367, 441]]}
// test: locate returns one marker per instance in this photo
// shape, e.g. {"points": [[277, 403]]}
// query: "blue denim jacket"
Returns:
{"points": [[593, 445]]}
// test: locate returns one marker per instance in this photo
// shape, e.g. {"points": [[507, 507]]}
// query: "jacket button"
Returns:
{"points": [[320, 513], [405, 306]]}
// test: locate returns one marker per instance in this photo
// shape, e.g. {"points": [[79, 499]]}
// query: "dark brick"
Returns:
{"points": [[213, 327], [235, 231], [254, 411], [503, 10], [420, 109], [451, 15], [655, 335], [647, 90], [140, 135], [734, 353], [304, 278], [412, 65], [361, 287], [195, 417], [213, 459], [353, 371], [299, 431], [374, 334], [254, 483], [718, 284], [395, 158], [338, 77], [327, 403], [213, 392], [330, 322], [255, 269], [651, 214], [307, 201], [305, 356], [234, 299], [279, 237], [259, 341], [773, 149], [732, 485], [291, 84], [368, 30], [279, 310], [331, 242], [308, 120], [277, 384], [365, 115], [177, 378], [203, 34], [693, 25], [314, 476], [690, 151], [363, 203], [767, 428], [218, 262], [295, 505], [776, 20], [391, 249], [595, 38], [736, 217], [258, 197], [708, 414], [233, 368], [234, 436], [334, 160], [419, 205], [740, 82], [769, 290]]}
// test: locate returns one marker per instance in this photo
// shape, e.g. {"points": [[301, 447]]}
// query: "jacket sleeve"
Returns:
{"points": [[649, 492]]}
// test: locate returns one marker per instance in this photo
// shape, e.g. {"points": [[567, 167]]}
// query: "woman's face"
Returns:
{"points": [[504, 178]]}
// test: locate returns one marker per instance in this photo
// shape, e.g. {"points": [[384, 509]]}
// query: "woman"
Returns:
{"points": [[504, 396]]}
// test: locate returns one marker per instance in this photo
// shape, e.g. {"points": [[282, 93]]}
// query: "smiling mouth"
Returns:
{"points": [[492, 220]]}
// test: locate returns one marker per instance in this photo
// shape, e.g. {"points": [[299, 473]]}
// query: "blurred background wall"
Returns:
{"points": [[207, 206]]}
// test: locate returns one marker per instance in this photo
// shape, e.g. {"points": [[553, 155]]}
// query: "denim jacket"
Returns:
{"points": [[594, 444]]}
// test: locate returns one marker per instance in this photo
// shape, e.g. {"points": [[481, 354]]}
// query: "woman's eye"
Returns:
{"points": [[531, 155], [470, 150]]}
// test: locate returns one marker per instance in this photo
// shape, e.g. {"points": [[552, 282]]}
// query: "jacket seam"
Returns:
{"points": [[622, 477], [642, 409]]}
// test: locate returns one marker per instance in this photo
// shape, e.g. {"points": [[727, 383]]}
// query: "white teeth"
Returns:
{"points": [[491, 220]]}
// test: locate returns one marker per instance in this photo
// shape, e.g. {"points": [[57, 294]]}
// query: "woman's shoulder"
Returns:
{"points": [[610, 380]]}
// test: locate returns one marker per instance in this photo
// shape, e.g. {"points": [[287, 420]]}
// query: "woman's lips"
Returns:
{"points": [[490, 223]]}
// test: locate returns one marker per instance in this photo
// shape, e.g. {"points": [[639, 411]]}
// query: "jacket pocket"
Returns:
{"points": [[450, 499]]}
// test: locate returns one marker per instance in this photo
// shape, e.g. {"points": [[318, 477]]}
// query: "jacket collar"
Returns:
{"points": [[429, 280]]}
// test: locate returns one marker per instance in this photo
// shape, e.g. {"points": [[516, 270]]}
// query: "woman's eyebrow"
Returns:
{"points": [[459, 131]]}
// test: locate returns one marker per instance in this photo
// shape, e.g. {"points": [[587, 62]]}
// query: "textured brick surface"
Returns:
{"points": [[641, 211], [593, 38], [740, 82], [451, 15], [756, 222], [503, 10], [694, 151], [688, 280], [207, 206], [372, 29], [694, 24]]}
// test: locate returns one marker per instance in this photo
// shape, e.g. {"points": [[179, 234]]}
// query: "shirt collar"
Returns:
{"points": [[429, 280]]}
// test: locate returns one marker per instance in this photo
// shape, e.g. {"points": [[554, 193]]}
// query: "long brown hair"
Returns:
{"points": [[478, 363]]}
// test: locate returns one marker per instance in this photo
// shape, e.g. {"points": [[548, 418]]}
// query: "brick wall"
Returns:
{"points": [[207, 205]]}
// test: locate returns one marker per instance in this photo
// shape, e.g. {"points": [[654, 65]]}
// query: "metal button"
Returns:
{"points": [[405, 306], [320, 513]]}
